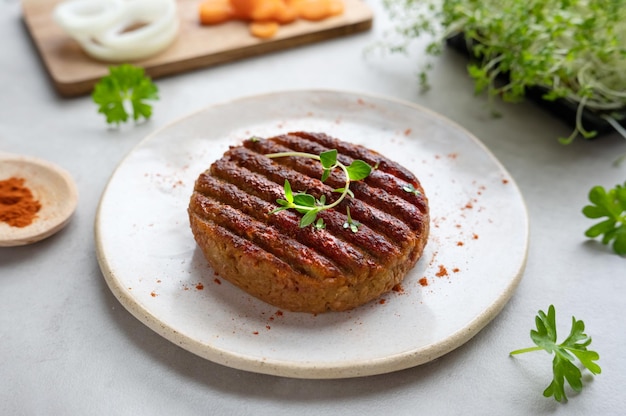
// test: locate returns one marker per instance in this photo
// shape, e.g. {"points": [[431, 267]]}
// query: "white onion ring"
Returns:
{"points": [[157, 15], [131, 52], [109, 38], [84, 18]]}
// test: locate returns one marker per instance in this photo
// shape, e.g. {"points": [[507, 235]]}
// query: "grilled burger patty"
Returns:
{"points": [[307, 269]]}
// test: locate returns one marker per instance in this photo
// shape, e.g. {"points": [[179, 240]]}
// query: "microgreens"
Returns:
{"points": [[411, 189], [307, 204], [350, 223], [572, 49], [575, 345], [610, 204]]}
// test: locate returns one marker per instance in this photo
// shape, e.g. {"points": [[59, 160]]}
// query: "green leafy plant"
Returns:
{"points": [[125, 92], [573, 50], [307, 204], [612, 205], [574, 346]]}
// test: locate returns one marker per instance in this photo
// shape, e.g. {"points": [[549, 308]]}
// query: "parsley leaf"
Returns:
{"points": [[575, 345], [610, 204], [123, 93]]}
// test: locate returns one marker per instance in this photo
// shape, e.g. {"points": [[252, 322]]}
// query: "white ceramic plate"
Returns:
{"points": [[473, 261]]}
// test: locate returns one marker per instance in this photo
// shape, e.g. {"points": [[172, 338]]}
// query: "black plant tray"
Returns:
{"points": [[562, 109]]}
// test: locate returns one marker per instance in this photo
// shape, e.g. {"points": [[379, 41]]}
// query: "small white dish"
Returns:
{"points": [[473, 261], [51, 185]]}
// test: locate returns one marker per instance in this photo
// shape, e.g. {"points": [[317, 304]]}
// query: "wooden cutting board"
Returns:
{"points": [[74, 73]]}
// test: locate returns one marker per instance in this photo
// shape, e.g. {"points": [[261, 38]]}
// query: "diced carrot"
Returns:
{"points": [[244, 8], [265, 10], [263, 30], [336, 7], [215, 11], [314, 9], [261, 10], [285, 12], [266, 15]]}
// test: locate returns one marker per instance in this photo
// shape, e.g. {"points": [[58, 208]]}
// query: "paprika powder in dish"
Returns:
{"points": [[18, 207], [37, 199]]}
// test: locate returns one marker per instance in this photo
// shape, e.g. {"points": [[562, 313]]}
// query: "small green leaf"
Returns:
{"points": [[587, 359], [598, 195], [325, 175], [411, 189], [350, 223], [328, 158], [608, 236], [358, 170], [288, 192], [308, 218], [545, 335], [304, 199], [612, 205], [600, 228], [592, 211], [620, 196], [619, 245], [555, 389]]}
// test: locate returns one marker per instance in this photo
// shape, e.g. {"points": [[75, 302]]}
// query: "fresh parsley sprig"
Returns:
{"points": [[574, 346], [610, 204], [125, 92], [307, 204]]}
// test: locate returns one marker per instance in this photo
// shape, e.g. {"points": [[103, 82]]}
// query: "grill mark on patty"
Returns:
{"points": [[390, 177], [293, 253], [220, 236], [405, 210], [277, 172], [367, 240], [355, 152], [378, 198], [232, 189]]}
